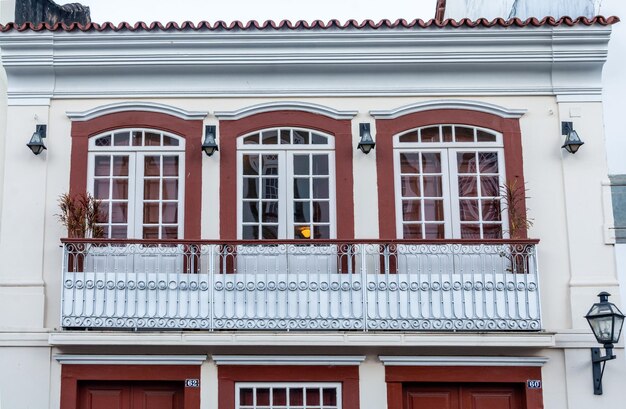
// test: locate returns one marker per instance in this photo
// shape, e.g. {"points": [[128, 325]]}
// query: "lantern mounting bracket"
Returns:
{"points": [[598, 362]]}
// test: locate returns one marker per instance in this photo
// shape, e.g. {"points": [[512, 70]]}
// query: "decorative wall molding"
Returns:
{"points": [[136, 106], [321, 360], [130, 359], [388, 360], [449, 104], [286, 106]]}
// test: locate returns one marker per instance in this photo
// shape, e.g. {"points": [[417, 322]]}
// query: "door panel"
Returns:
{"points": [[463, 396], [131, 395]]}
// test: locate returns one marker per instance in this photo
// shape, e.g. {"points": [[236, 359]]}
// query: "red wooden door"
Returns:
{"points": [[131, 395], [463, 396]]}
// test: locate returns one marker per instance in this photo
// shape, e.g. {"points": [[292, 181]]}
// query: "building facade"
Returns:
{"points": [[451, 266]]}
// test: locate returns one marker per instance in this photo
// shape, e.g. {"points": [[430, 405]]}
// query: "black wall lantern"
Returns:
{"points": [[366, 144], [572, 140], [606, 321], [36, 141], [209, 146]]}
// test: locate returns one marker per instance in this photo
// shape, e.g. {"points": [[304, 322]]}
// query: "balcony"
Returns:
{"points": [[446, 285]]}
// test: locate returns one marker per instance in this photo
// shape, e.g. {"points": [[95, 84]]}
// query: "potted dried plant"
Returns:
{"points": [[513, 200], [79, 214]]}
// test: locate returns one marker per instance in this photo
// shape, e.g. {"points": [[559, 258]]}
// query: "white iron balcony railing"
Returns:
{"points": [[301, 285]]}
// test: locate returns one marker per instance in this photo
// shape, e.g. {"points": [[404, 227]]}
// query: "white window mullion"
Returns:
{"points": [[137, 180], [453, 183]]}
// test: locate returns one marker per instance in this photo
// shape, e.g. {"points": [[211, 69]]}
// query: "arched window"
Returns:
{"points": [[287, 184], [448, 181], [138, 174]]}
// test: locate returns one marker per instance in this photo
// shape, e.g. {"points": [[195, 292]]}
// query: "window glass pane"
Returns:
{"points": [[446, 132], [317, 139], [431, 163], [321, 212], [490, 186], [302, 232], [433, 210], [301, 188], [285, 136], [250, 188], [312, 396], [492, 231], [122, 139], [169, 213], [262, 396], [300, 137], [246, 396], [409, 163], [491, 210], [169, 141], [279, 396], [466, 162], [463, 134], [120, 166], [151, 233], [250, 233], [251, 140], [430, 134], [119, 212], [102, 166], [433, 186], [410, 186], [101, 188], [151, 213], [152, 166], [468, 186], [103, 141], [488, 162], [137, 138], [270, 164], [411, 210], [320, 165], [270, 232], [296, 397], [169, 232], [250, 212], [470, 231], [300, 164], [269, 188], [151, 189], [469, 210], [103, 214], [412, 231], [434, 231], [269, 212], [152, 139], [321, 188], [120, 189], [170, 189], [301, 212], [118, 232], [250, 164], [321, 232], [170, 165], [330, 396], [269, 137], [409, 137], [482, 136]]}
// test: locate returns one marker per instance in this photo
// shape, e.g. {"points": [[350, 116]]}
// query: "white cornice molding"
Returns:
{"points": [[463, 360], [449, 104], [316, 360], [285, 106], [130, 359], [136, 106]]}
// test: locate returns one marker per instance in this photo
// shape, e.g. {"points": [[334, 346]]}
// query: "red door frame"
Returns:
{"points": [[72, 374], [228, 375], [397, 376]]}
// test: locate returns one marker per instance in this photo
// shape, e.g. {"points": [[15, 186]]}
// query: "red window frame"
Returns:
{"points": [[387, 128], [190, 130], [229, 375]]}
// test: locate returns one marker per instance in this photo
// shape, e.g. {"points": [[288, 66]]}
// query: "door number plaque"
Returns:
{"points": [[533, 384], [194, 383]]}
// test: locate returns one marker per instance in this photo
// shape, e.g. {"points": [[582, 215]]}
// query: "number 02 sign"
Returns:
{"points": [[192, 383]]}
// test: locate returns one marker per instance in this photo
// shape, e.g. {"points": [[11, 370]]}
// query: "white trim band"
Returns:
{"points": [[130, 359], [449, 104], [136, 106], [285, 106], [463, 360], [316, 360]]}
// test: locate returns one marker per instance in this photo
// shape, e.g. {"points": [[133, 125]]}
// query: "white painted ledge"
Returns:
{"points": [[463, 360], [449, 104], [308, 339], [285, 106], [130, 359], [316, 360], [136, 106]]}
